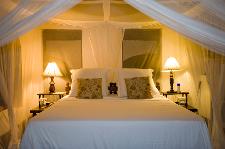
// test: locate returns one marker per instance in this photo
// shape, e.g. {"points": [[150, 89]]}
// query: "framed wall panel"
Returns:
{"points": [[142, 49], [65, 48]]}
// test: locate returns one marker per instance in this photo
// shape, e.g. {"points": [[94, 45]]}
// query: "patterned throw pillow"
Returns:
{"points": [[89, 88], [138, 88]]}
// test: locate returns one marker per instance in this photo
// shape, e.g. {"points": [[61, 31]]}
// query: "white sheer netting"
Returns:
{"points": [[200, 20], [205, 34], [201, 10], [10, 85], [104, 50], [28, 14], [212, 65]]}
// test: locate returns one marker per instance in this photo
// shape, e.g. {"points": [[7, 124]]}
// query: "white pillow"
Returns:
{"points": [[131, 73], [87, 73]]}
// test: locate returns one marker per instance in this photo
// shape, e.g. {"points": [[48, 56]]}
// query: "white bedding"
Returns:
{"points": [[116, 124]]}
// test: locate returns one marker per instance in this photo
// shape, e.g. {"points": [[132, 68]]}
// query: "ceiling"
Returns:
{"points": [[89, 10], [99, 10]]}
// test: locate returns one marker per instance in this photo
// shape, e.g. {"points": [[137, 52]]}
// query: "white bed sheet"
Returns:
{"points": [[116, 124]]}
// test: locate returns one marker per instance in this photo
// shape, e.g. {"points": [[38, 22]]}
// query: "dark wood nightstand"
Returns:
{"points": [[38, 109], [185, 105], [178, 93], [60, 94]]}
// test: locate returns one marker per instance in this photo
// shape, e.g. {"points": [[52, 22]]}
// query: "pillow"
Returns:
{"points": [[87, 73], [89, 88], [138, 88], [131, 73]]}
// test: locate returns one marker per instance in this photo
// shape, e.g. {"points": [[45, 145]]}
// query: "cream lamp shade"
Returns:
{"points": [[171, 64], [52, 70]]}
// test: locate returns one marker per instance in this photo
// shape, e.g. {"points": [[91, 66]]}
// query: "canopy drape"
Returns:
{"points": [[201, 20], [203, 33], [11, 84], [28, 14], [209, 32], [103, 50], [212, 65]]}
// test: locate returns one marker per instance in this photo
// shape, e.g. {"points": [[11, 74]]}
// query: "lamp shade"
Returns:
{"points": [[52, 70], [171, 64]]}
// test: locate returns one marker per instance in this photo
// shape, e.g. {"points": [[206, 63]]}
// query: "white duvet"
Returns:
{"points": [[116, 124]]}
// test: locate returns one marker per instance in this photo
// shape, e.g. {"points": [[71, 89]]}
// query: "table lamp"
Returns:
{"points": [[171, 65], [52, 71]]}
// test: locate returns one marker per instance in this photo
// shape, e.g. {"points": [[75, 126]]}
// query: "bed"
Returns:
{"points": [[116, 122]]}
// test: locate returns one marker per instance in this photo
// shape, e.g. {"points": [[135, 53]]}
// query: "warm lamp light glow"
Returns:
{"points": [[171, 64], [52, 70]]}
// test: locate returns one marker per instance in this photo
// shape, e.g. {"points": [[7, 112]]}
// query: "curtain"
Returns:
{"points": [[216, 7], [199, 30], [4, 129], [207, 28], [10, 84], [102, 46], [212, 65], [200, 20], [22, 66], [204, 77], [215, 73], [196, 66], [28, 14], [32, 69]]}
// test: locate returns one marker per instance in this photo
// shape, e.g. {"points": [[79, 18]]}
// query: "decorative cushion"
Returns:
{"points": [[131, 73], [89, 88], [87, 73], [138, 88]]}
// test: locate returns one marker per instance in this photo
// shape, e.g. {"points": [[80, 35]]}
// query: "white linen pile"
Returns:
{"points": [[115, 123]]}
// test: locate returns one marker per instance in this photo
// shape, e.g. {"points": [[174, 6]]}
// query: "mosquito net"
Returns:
{"points": [[202, 21]]}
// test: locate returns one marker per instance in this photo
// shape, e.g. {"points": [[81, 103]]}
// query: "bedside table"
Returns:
{"points": [[39, 109], [178, 93], [186, 100], [60, 94], [36, 110]]}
